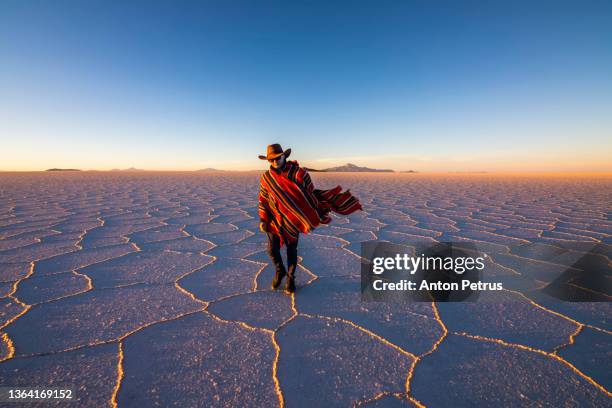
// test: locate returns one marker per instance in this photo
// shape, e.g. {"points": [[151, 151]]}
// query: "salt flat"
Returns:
{"points": [[153, 289]]}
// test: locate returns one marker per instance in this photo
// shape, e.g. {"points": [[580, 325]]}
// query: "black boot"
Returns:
{"points": [[290, 285], [278, 277]]}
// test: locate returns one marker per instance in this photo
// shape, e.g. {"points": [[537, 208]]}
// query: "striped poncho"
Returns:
{"points": [[289, 203]]}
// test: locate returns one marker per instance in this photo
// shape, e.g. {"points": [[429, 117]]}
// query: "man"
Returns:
{"points": [[289, 204]]}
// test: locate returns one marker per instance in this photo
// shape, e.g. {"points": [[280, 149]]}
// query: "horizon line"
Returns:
{"points": [[392, 171]]}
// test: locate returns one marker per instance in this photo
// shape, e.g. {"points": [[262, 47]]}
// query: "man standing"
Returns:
{"points": [[289, 204]]}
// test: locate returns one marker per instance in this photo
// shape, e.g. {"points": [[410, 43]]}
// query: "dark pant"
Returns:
{"points": [[275, 255]]}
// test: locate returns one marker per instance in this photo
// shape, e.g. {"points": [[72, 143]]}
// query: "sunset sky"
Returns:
{"points": [[429, 86]]}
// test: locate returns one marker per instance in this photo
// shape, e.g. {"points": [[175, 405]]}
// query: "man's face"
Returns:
{"points": [[277, 163]]}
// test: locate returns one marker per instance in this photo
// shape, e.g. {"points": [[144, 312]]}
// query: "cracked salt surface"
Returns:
{"points": [[154, 289]]}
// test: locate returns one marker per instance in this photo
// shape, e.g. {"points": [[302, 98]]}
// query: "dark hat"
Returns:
{"points": [[275, 150]]}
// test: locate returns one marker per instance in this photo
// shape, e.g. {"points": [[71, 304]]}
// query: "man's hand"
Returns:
{"points": [[263, 227]]}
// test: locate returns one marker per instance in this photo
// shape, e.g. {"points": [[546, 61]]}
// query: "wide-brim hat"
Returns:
{"points": [[275, 150]]}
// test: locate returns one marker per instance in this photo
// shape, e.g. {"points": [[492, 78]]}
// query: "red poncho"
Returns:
{"points": [[289, 203]]}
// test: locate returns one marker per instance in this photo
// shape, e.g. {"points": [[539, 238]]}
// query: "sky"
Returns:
{"points": [[431, 86]]}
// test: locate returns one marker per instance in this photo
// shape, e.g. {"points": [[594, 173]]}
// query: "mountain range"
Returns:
{"points": [[350, 167]]}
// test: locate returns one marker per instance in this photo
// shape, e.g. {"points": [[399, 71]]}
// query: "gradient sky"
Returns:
{"points": [[424, 85]]}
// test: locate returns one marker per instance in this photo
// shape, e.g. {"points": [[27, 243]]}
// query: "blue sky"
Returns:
{"points": [[431, 86]]}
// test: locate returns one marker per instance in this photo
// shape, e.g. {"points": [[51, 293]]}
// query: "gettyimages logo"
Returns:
{"points": [[421, 272], [460, 271]]}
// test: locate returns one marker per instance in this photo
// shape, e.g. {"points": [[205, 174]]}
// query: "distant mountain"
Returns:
{"points": [[209, 169], [55, 169], [349, 167], [130, 169], [408, 171]]}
